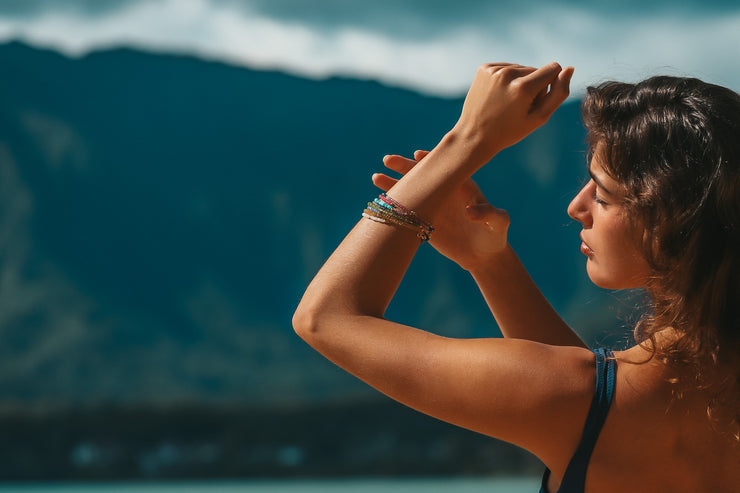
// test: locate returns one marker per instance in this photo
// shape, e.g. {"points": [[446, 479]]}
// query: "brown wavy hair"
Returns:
{"points": [[674, 144]]}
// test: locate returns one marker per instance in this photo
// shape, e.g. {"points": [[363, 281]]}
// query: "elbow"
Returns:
{"points": [[305, 322], [317, 321], [312, 317]]}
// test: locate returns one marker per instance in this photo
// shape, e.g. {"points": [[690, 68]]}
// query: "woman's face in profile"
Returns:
{"points": [[608, 239]]}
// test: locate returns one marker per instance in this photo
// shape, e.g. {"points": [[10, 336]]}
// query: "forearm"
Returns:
{"points": [[362, 275], [519, 307], [504, 104]]}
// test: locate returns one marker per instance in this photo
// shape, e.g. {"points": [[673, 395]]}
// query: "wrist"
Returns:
{"points": [[470, 145], [452, 161], [479, 144], [490, 263]]}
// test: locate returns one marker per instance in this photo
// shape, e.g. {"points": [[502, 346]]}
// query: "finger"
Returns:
{"points": [[500, 64], [495, 67], [539, 79], [537, 101], [398, 163], [559, 91], [509, 72], [493, 217], [383, 182], [419, 155]]}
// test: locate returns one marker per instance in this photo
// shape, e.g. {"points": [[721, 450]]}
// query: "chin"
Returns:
{"points": [[614, 282], [602, 283]]}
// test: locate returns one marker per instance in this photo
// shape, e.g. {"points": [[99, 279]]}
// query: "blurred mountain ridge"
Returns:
{"points": [[160, 216]]}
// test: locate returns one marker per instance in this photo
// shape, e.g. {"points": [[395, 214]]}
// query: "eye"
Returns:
{"points": [[597, 199]]}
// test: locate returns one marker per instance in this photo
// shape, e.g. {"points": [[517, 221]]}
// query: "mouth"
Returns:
{"points": [[585, 249]]}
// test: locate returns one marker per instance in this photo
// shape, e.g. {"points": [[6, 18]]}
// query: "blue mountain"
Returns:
{"points": [[160, 216]]}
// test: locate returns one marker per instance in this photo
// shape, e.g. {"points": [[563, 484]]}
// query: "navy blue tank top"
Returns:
{"points": [[574, 479]]}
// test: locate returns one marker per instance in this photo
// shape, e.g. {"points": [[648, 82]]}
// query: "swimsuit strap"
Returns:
{"points": [[574, 479]]}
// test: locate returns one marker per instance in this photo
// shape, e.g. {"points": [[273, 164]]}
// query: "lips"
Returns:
{"points": [[585, 249]]}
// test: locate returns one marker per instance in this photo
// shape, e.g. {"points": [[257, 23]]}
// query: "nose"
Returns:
{"points": [[578, 208]]}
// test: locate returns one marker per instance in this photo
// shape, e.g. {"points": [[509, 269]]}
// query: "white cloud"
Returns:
{"points": [[599, 47]]}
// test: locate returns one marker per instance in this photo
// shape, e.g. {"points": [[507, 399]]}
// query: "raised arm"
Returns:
{"points": [[520, 391], [473, 233], [518, 305]]}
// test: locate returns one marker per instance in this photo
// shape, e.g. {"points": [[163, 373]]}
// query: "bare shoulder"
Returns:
{"points": [[567, 381], [534, 395]]}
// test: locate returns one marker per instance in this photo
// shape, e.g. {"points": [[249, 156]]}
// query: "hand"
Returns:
{"points": [[507, 102], [467, 229]]}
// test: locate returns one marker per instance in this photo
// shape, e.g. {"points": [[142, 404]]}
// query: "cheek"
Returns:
{"points": [[619, 264]]}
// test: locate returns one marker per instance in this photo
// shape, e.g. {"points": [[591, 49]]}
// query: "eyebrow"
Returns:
{"points": [[598, 182]]}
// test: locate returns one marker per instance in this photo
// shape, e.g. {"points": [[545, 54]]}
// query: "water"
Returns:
{"points": [[451, 485]]}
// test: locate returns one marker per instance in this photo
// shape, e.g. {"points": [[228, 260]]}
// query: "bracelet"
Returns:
{"points": [[386, 210], [384, 198], [422, 235]]}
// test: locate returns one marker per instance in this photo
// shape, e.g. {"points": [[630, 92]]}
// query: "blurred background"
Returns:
{"points": [[173, 173]]}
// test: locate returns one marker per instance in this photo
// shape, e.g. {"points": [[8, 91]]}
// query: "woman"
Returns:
{"points": [[661, 212]]}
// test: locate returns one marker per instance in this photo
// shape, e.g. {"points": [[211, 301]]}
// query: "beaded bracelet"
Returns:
{"points": [[390, 219], [422, 235], [370, 214], [403, 210], [386, 210]]}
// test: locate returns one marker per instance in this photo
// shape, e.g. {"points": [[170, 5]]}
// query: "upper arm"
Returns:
{"points": [[530, 394]]}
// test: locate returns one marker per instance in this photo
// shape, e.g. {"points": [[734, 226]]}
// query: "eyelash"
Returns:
{"points": [[598, 200]]}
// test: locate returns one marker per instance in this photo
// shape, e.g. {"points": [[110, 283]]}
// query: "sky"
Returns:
{"points": [[432, 46]]}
